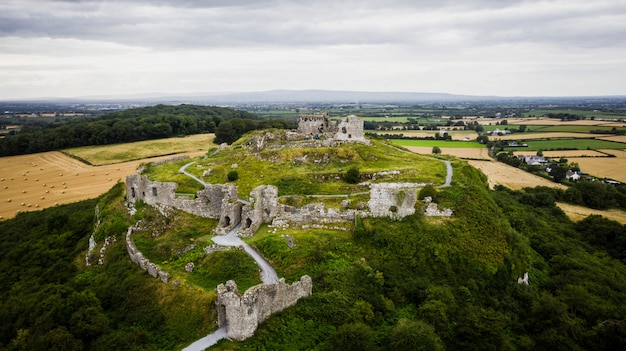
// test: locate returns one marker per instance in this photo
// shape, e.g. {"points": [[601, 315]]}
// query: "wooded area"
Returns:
{"points": [[138, 124]]}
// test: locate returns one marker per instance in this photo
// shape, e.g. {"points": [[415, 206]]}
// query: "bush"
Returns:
{"points": [[436, 150], [232, 176], [352, 176]]}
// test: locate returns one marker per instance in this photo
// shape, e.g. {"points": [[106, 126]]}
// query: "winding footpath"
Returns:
{"points": [[268, 276]]}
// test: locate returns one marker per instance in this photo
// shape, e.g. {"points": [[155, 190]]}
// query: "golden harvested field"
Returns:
{"points": [[565, 153], [33, 182], [609, 167], [576, 213], [469, 153], [110, 154], [514, 178], [617, 138]]}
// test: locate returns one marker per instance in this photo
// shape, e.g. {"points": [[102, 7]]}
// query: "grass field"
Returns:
{"points": [[439, 143], [455, 134], [111, 154]]}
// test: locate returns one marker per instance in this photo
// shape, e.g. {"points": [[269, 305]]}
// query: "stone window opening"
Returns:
{"points": [[154, 191], [226, 221], [248, 222], [133, 192], [344, 130]]}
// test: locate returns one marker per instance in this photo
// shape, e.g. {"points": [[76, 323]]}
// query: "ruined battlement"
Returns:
{"points": [[241, 314]]}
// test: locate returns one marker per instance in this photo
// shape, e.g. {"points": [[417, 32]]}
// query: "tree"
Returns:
{"points": [[414, 335], [428, 190], [436, 150], [352, 175]]}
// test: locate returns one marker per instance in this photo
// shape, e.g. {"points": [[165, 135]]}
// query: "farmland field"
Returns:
{"points": [[571, 144], [439, 143], [533, 135], [566, 153], [36, 181], [511, 177], [576, 213], [471, 153], [455, 134], [604, 167], [110, 154]]}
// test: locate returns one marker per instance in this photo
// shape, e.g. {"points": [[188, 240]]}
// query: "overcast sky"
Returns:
{"points": [[69, 48]]}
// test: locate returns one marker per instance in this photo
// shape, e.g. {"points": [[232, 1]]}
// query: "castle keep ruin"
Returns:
{"points": [[349, 129]]}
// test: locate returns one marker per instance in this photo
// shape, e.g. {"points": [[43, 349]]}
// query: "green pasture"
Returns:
{"points": [[584, 113], [439, 143], [569, 144]]}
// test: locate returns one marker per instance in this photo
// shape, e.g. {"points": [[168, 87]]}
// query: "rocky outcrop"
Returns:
{"points": [[241, 314]]}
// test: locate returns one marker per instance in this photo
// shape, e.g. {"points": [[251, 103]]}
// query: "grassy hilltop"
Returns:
{"points": [[418, 283]]}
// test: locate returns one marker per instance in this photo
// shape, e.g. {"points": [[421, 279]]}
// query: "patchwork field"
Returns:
{"points": [[529, 136]]}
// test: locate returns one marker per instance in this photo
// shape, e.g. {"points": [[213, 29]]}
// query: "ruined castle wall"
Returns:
{"points": [[393, 199], [263, 207], [315, 124], [315, 213], [242, 314], [137, 257], [214, 201], [350, 128]]}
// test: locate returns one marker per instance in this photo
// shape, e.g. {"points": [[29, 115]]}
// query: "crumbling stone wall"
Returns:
{"points": [[393, 199], [214, 201], [316, 124], [241, 314], [137, 257], [262, 208], [315, 213]]}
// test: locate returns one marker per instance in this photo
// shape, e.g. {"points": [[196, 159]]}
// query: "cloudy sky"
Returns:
{"points": [[69, 48]]}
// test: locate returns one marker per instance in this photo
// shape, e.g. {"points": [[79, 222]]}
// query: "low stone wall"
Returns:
{"points": [[241, 314], [137, 257]]}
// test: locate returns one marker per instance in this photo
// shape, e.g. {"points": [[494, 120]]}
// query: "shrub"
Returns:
{"points": [[232, 176], [436, 150], [352, 176]]}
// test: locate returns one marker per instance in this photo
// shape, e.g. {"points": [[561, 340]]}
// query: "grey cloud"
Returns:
{"points": [[195, 23]]}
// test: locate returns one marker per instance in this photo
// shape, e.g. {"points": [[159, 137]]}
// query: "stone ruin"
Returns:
{"points": [[221, 201], [241, 314], [349, 129]]}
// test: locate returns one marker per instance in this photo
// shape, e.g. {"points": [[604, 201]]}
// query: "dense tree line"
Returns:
{"points": [[138, 124]]}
